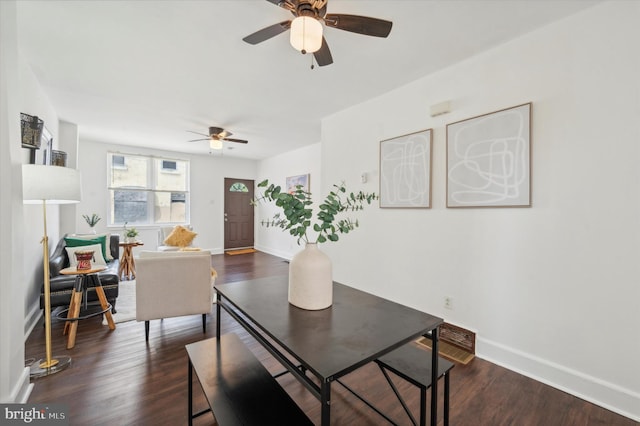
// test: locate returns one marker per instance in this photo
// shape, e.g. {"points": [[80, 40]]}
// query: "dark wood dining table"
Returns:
{"points": [[356, 329]]}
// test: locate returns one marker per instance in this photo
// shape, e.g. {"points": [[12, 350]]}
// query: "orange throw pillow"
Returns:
{"points": [[180, 237]]}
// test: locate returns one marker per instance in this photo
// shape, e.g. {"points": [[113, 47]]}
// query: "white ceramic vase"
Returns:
{"points": [[310, 279]]}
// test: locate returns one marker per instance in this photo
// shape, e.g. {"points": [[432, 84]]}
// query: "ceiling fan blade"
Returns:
{"points": [[198, 133], [285, 4], [268, 32], [323, 55], [235, 140], [198, 140], [359, 24]]}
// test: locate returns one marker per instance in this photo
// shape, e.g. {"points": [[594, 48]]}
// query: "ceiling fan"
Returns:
{"points": [[216, 136], [306, 27]]}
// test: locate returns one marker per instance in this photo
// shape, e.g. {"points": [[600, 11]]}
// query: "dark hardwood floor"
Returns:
{"points": [[116, 378]]}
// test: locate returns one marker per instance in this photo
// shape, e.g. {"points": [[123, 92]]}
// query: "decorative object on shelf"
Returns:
{"points": [[405, 171], [310, 272], [489, 159], [31, 128], [130, 234], [84, 258], [58, 158], [49, 185], [92, 221]]}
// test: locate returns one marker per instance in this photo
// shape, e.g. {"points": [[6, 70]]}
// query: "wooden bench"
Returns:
{"points": [[412, 364], [238, 388]]}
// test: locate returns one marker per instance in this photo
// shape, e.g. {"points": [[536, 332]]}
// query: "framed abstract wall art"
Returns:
{"points": [[489, 159], [293, 181], [405, 171]]}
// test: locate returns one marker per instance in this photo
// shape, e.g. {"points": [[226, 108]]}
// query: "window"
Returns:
{"points": [[117, 161], [169, 166], [146, 190], [238, 187]]}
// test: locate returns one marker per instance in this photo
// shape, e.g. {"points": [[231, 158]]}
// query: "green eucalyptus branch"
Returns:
{"points": [[297, 214]]}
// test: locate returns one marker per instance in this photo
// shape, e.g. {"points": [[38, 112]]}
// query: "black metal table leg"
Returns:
{"points": [[446, 399], [190, 393], [325, 403], [434, 377], [218, 298]]}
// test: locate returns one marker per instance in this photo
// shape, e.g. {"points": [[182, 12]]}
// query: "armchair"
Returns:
{"points": [[164, 233], [172, 284]]}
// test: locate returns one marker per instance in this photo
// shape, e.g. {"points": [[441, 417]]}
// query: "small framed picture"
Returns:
{"points": [[31, 129], [292, 182]]}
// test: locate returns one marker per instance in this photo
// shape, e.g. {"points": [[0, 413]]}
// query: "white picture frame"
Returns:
{"points": [[489, 159], [405, 171]]}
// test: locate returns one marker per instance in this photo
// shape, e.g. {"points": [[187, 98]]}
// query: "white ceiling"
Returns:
{"points": [[145, 72]]}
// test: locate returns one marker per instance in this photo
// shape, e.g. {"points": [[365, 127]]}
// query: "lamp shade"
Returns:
{"points": [[215, 143], [52, 184], [306, 34]]}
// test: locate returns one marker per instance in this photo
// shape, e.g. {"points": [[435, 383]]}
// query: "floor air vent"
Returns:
{"points": [[456, 343]]}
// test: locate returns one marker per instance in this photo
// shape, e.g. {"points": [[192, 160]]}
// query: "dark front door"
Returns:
{"points": [[238, 213]]}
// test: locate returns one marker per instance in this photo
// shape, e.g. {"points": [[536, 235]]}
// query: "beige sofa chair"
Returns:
{"points": [[173, 284]]}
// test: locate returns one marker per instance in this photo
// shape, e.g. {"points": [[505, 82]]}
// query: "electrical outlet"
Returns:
{"points": [[448, 302]]}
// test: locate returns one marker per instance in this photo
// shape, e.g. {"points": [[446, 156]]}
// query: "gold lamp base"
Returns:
{"points": [[43, 367]]}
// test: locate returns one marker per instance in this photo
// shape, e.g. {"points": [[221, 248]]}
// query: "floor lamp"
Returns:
{"points": [[49, 185]]}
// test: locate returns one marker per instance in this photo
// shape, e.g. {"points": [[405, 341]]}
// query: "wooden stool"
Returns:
{"points": [[80, 288]]}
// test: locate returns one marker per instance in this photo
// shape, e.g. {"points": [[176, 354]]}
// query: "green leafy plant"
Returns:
{"points": [[297, 213], [92, 220], [130, 232]]}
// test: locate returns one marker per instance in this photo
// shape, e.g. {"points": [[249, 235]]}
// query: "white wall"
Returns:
{"points": [[14, 385], [301, 161], [551, 290], [207, 191], [67, 141], [34, 101]]}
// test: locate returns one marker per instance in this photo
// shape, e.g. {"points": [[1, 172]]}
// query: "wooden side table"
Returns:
{"points": [[127, 268], [73, 313]]}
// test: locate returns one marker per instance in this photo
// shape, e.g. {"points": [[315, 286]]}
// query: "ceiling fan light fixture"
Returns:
{"points": [[306, 34], [215, 143]]}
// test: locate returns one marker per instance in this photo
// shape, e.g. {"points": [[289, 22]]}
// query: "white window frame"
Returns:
{"points": [[150, 189]]}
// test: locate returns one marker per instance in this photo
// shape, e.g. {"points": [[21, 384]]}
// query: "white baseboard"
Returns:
{"points": [[32, 318], [22, 390], [274, 252], [214, 250], [604, 394]]}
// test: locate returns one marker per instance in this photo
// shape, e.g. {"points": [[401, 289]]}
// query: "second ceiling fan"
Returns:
{"points": [[216, 136], [306, 27]]}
